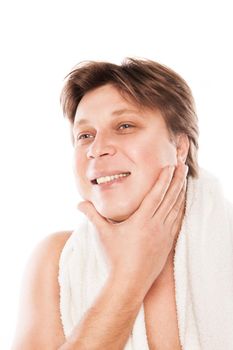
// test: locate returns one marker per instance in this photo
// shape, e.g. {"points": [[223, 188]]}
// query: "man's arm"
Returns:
{"points": [[109, 321], [39, 325]]}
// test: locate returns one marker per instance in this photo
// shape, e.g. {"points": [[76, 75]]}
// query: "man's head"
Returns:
{"points": [[134, 118]]}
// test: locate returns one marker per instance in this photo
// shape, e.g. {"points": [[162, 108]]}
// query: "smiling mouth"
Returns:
{"points": [[107, 179]]}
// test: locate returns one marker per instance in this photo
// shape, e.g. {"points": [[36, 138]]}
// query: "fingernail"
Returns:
{"points": [[186, 169]]}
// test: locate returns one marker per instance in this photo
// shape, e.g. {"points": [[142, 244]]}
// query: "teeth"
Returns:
{"points": [[104, 179]]}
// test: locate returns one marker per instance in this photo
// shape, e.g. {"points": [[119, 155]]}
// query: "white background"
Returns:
{"points": [[40, 43]]}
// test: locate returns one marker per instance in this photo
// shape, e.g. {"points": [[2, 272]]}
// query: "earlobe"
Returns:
{"points": [[182, 147]]}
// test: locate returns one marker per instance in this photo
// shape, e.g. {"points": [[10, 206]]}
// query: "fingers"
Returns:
{"points": [[154, 198], [172, 193], [175, 215], [88, 209]]}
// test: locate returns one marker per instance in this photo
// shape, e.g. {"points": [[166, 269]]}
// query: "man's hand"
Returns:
{"points": [[139, 246]]}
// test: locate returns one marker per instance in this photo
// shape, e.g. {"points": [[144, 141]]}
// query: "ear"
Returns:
{"points": [[182, 147]]}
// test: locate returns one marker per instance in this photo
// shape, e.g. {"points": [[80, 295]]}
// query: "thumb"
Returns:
{"points": [[88, 209]]}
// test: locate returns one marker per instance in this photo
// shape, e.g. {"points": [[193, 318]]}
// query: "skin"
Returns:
{"points": [[103, 142], [136, 220]]}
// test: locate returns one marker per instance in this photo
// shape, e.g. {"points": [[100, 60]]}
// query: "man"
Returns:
{"points": [[125, 278]]}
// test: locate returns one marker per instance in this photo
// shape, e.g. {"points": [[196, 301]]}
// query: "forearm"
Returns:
{"points": [[108, 323]]}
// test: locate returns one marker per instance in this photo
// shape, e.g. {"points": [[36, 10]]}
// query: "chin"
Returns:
{"points": [[116, 214], [116, 220]]}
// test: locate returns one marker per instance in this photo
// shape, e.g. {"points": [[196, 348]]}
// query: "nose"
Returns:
{"points": [[101, 146]]}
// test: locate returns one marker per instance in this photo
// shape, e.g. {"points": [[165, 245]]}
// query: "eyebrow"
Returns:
{"points": [[115, 113]]}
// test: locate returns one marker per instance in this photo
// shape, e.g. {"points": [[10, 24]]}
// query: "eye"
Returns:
{"points": [[125, 126], [84, 136]]}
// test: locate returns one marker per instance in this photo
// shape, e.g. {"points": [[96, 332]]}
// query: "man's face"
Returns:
{"points": [[118, 138]]}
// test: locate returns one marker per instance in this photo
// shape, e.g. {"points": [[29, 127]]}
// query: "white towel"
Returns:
{"points": [[203, 272]]}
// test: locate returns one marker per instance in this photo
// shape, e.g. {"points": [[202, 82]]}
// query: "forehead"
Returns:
{"points": [[105, 98]]}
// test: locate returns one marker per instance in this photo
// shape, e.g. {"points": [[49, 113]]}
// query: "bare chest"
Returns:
{"points": [[161, 318]]}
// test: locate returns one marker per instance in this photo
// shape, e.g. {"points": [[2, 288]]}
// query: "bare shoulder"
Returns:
{"points": [[56, 239], [52, 245], [39, 325], [46, 254]]}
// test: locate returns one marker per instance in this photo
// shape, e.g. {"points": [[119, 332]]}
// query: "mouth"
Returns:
{"points": [[110, 178]]}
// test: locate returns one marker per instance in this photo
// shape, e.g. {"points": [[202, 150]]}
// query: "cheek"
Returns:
{"points": [[164, 151], [79, 169], [156, 156], [152, 163], [78, 163]]}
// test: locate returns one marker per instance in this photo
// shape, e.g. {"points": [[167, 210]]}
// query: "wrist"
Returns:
{"points": [[129, 286]]}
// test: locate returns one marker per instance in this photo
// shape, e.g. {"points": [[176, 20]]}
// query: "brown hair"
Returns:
{"points": [[149, 84]]}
